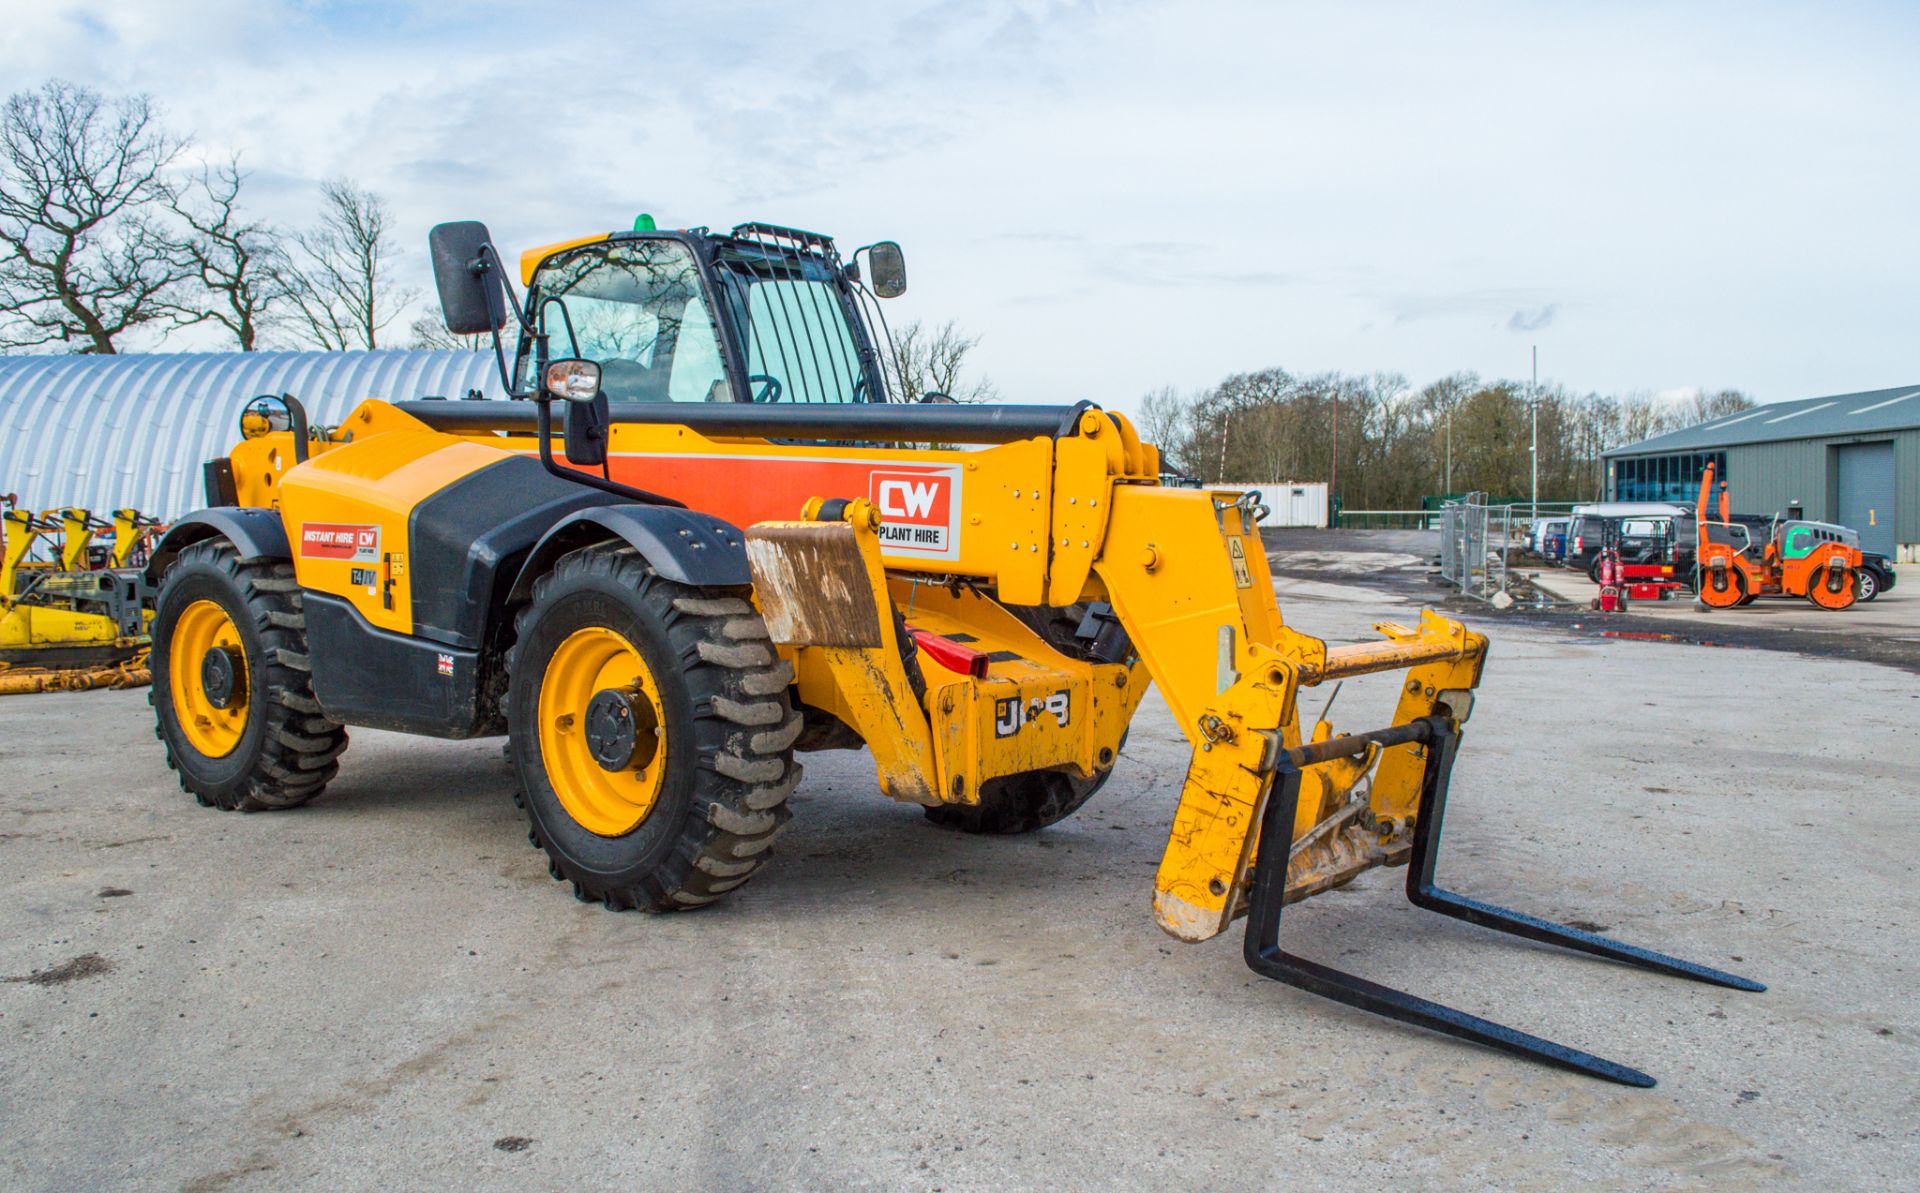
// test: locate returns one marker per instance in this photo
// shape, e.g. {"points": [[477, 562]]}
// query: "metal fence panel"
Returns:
{"points": [[1475, 539]]}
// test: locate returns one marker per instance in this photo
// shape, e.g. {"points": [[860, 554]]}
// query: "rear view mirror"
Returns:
{"points": [[586, 431], [573, 379], [466, 271], [889, 268]]}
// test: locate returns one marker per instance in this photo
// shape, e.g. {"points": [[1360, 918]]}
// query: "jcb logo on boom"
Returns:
{"points": [[1011, 714], [916, 509]]}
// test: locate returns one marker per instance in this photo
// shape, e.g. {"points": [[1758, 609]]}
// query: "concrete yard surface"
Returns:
{"points": [[384, 989]]}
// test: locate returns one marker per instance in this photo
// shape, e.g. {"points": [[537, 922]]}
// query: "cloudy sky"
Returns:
{"points": [[1120, 195]]}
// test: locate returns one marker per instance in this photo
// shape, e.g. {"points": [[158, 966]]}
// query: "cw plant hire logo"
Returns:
{"points": [[916, 508]]}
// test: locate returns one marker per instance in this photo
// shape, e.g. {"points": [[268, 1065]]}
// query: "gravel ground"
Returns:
{"points": [[385, 990]]}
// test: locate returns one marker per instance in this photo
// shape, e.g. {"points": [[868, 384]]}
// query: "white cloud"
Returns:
{"points": [[1118, 196]]}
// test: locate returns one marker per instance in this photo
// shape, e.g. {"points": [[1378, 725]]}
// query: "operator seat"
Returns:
{"points": [[630, 381]]}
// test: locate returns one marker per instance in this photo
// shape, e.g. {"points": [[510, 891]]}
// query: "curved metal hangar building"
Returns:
{"points": [[1853, 459], [106, 432]]}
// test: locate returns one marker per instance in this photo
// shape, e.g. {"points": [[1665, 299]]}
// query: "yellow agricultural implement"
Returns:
{"points": [[701, 539], [78, 619]]}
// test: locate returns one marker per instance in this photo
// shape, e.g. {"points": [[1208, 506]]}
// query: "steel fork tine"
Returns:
{"points": [[1265, 957], [1422, 891]]}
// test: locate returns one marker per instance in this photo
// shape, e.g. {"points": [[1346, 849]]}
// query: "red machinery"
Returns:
{"points": [[1613, 586]]}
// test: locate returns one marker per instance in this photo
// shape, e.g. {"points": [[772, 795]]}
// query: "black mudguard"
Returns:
{"points": [[680, 544], [254, 533]]}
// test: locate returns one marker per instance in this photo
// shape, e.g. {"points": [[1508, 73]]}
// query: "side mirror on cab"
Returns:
{"points": [[571, 379], [577, 382], [586, 431], [466, 271], [889, 268]]}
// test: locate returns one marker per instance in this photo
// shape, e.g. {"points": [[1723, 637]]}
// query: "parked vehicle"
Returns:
{"points": [[799, 574], [1647, 533], [1816, 560], [1548, 538], [1876, 575]]}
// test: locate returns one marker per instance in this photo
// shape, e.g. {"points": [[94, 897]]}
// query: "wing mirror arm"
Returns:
{"points": [[577, 382]]}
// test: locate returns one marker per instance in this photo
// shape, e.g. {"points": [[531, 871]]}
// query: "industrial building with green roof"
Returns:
{"points": [[1852, 459]]}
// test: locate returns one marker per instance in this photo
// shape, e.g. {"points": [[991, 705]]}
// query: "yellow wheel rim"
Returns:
{"points": [[212, 731], [610, 803]]}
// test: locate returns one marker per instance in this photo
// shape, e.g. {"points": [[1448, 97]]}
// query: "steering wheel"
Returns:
{"points": [[770, 394]]}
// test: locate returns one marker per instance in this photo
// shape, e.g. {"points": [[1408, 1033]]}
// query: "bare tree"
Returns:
{"points": [[240, 263], [933, 362], [340, 286], [1703, 406], [429, 332], [1163, 423], [83, 261]]}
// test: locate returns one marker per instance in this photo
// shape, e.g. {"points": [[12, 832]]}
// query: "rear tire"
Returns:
{"points": [[270, 747], [725, 753]]}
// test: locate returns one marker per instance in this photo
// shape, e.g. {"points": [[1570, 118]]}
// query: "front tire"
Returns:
{"points": [[1032, 800], [651, 730], [1869, 585], [232, 690], [1021, 803]]}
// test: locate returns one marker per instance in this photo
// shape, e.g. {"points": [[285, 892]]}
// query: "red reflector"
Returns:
{"points": [[954, 656]]}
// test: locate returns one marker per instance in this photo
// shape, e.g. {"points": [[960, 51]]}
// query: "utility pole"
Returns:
{"points": [[1448, 486], [1333, 481], [1225, 427], [1533, 401]]}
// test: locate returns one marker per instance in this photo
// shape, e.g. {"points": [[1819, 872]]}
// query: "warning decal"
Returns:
{"points": [[328, 540], [1242, 575], [917, 507]]}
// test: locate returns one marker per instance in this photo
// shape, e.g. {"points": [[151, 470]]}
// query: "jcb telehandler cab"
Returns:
{"points": [[701, 538]]}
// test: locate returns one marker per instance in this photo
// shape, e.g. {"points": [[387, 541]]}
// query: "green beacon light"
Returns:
{"points": [[644, 223]]}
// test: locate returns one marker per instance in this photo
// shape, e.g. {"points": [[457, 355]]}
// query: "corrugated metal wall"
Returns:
{"points": [[106, 432], [1768, 477]]}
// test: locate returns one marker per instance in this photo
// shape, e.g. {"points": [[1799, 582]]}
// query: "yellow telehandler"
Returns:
{"points": [[700, 538]]}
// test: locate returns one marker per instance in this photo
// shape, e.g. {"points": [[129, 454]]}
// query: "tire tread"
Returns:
{"points": [[742, 714], [298, 745]]}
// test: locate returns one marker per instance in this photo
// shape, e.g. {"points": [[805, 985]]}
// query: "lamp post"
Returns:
{"points": [[1533, 403]]}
